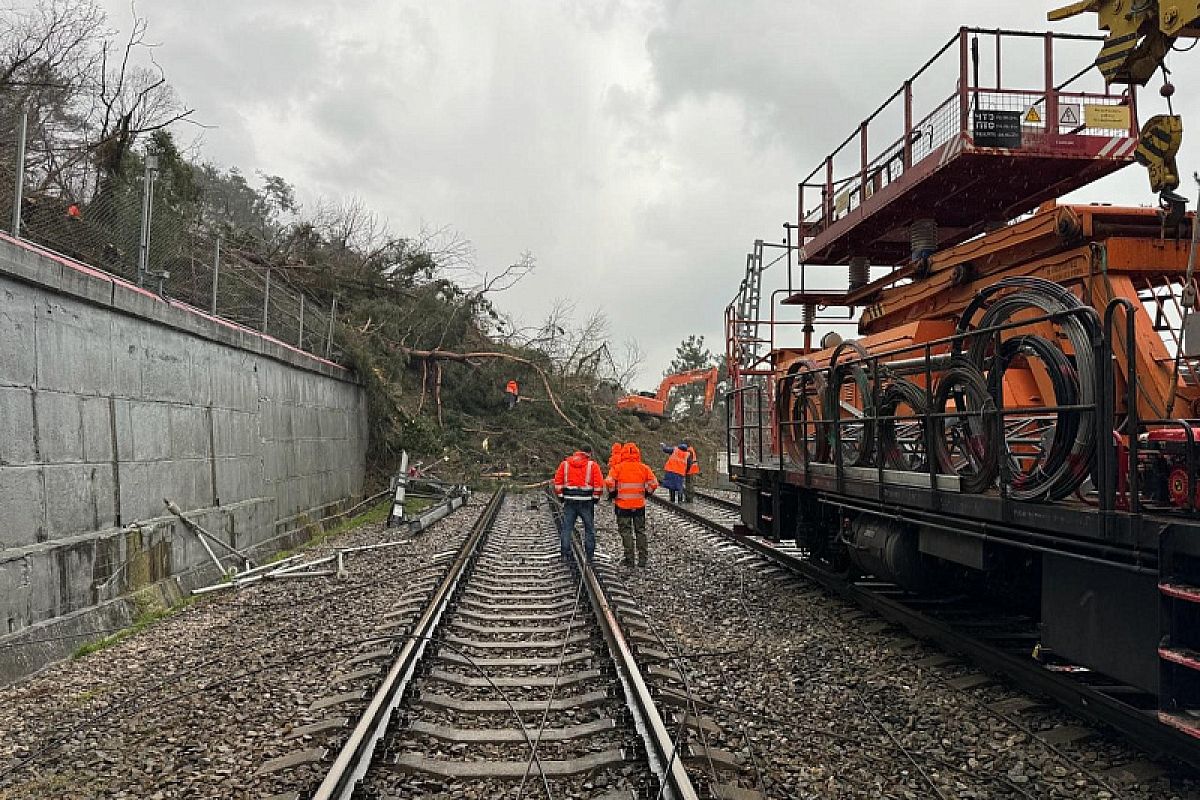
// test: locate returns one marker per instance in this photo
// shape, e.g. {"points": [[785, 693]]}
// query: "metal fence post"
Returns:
{"points": [[329, 336], [19, 187], [266, 300], [143, 266], [216, 275], [397, 514]]}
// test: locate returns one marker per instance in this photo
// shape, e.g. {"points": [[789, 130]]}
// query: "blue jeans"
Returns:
{"points": [[584, 510]]}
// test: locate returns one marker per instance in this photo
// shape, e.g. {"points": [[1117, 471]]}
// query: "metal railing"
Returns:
{"points": [[744, 426], [803, 437], [850, 176]]}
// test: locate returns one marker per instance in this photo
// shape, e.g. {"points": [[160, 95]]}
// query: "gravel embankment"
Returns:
{"points": [[197, 704], [831, 703]]}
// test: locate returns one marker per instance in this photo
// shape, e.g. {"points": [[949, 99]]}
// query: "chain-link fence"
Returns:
{"points": [[177, 254], [9, 118]]}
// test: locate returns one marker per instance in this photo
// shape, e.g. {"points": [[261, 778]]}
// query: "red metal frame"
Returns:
{"points": [[829, 230]]}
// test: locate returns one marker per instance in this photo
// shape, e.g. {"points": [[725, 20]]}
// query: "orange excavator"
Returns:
{"points": [[655, 405]]}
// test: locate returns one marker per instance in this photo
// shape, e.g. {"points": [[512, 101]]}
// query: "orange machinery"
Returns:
{"points": [[931, 210], [655, 405], [1097, 253], [1021, 411]]}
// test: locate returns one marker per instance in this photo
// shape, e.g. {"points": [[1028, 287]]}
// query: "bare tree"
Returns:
{"points": [[49, 54], [480, 283], [626, 367], [132, 99], [445, 246], [48, 46], [348, 225]]}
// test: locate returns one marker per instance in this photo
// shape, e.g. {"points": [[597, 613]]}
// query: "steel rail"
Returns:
{"points": [[354, 758], [666, 764], [721, 502], [1141, 727]]}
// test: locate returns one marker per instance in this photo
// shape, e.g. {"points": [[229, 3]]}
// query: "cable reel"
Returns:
{"points": [[1070, 449], [857, 450], [800, 398], [896, 451], [1044, 460], [966, 427]]}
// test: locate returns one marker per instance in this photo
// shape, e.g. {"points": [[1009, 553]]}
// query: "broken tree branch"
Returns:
{"points": [[467, 358]]}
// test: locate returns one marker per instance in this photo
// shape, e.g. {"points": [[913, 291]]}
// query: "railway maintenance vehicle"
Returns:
{"points": [[1018, 418]]}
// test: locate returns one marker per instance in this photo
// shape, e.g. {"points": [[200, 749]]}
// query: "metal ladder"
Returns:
{"points": [[749, 305]]}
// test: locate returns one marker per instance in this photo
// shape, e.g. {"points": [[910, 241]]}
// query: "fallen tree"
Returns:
{"points": [[435, 355]]}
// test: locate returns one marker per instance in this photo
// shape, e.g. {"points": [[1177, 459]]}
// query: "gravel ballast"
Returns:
{"points": [[199, 704], [830, 702]]}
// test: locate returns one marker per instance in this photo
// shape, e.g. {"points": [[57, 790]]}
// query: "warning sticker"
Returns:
{"points": [[1114, 117], [1068, 114], [841, 202], [1032, 116]]}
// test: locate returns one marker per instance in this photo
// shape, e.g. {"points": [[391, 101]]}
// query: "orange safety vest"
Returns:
{"points": [[578, 478], [694, 466], [616, 455], [677, 462], [511, 388], [632, 481]]}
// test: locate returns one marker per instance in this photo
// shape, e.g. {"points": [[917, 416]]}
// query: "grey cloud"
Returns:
{"points": [[637, 147]]}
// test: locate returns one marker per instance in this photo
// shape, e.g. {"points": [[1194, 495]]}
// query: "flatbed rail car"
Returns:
{"points": [[1020, 415]]}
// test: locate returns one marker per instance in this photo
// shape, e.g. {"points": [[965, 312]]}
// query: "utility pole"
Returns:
{"points": [[23, 122], [216, 275], [266, 300], [143, 267], [329, 336]]}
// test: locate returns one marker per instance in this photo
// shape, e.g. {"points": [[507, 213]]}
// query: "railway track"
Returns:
{"points": [[510, 672], [997, 641], [724, 501]]}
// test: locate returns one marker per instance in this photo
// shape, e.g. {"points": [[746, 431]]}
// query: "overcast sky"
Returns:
{"points": [[635, 147]]}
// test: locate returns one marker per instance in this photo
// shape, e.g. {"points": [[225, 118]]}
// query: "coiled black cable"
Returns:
{"points": [[894, 455], [1081, 327], [800, 397], [975, 431], [856, 451], [1039, 480]]}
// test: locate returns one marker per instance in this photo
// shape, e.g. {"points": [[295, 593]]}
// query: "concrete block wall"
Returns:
{"points": [[112, 399]]}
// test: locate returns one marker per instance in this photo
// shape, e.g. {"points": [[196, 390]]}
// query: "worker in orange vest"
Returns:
{"points": [[511, 393], [578, 482], [74, 213], [615, 455], [674, 471], [693, 469], [628, 483]]}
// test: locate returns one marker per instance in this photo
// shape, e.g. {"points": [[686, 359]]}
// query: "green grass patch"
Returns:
{"points": [[55, 783], [416, 505], [83, 698], [374, 514], [149, 611]]}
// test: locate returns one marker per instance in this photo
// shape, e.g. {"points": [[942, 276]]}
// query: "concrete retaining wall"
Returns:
{"points": [[112, 399]]}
